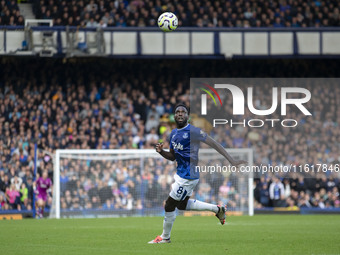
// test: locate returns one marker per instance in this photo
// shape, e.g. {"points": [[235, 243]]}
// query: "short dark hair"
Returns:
{"points": [[183, 105]]}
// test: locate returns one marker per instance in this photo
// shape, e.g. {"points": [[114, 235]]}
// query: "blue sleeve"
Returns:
{"points": [[198, 134]]}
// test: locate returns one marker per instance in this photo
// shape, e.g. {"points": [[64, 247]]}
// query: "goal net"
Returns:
{"points": [[112, 183]]}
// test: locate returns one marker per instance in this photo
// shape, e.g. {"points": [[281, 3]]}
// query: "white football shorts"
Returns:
{"points": [[182, 188]]}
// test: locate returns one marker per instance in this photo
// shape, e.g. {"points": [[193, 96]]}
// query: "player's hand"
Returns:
{"points": [[159, 147], [239, 162]]}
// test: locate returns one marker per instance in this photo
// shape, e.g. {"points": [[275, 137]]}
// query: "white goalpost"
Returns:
{"points": [[113, 183]]}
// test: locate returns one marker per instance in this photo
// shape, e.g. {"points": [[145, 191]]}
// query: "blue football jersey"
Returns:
{"points": [[186, 142]]}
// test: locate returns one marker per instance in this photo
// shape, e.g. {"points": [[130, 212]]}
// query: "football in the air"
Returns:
{"points": [[167, 22]]}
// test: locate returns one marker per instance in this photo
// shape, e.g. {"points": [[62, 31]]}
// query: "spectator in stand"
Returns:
{"points": [[92, 23], [264, 195], [17, 181], [4, 182], [276, 192], [3, 201], [152, 138], [13, 197], [24, 197]]}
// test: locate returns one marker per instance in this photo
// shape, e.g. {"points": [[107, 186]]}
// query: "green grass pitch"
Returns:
{"points": [[261, 234]]}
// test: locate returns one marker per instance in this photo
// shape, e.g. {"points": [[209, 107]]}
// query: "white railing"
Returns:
{"points": [[183, 43]]}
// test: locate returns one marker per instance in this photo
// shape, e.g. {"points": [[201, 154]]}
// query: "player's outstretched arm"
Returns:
{"points": [[169, 155], [219, 148]]}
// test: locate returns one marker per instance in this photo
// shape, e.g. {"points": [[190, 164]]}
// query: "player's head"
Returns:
{"points": [[45, 174], [181, 115]]}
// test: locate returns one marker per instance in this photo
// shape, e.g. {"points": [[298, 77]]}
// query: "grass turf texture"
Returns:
{"points": [[263, 234]]}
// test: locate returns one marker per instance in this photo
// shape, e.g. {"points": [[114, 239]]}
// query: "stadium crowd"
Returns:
{"points": [[196, 13], [10, 14], [193, 13], [86, 107]]}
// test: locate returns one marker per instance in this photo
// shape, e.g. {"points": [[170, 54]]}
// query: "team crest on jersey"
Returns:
{"points": [[185, 135]]}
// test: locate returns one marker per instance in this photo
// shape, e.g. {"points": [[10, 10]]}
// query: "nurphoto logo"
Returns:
{"points": [[239, 105]]}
